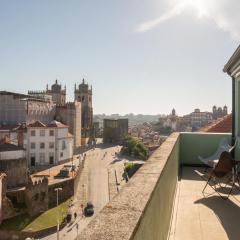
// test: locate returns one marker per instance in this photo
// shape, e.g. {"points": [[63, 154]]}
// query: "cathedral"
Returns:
{"points": [[78, 115]]}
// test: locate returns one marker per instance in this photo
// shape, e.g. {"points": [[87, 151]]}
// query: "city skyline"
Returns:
{"points": [[134, 63]]}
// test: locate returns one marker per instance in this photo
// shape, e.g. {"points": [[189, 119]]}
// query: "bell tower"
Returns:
{"points": [[83, 94]]}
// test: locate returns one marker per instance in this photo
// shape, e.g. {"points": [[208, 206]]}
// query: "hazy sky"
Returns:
{"points": [[141, 56]]}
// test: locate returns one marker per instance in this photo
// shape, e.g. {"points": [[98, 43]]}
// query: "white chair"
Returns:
{"points": [[212, 160]]}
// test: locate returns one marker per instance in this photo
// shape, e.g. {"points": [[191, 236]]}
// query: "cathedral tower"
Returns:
{"points": [[58, 94], [83, 94]]}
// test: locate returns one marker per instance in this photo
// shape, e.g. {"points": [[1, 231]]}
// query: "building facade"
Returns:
{"points": [[219, 112], [58, 94], [49, 144], [18, 108], [115, 130], [14, 164], [83, 94], [70, 114]]}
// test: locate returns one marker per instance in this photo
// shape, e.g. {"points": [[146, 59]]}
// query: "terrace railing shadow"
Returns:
{"points": [[227, 212]]}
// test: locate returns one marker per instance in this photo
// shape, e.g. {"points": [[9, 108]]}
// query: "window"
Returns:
{"points": [[32, 159], [33, 133], [42, 132], [42, 145], [63, 145], [51, 132], [42, 157], [51, 145], [61, 154], [33, 145], [51, 158]]}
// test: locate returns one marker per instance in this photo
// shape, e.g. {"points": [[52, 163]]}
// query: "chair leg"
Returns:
{"points": [[206, 184], [233, 184]]}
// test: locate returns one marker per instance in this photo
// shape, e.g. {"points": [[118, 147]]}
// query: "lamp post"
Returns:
{"points": [[77, 228], [57, 189]]}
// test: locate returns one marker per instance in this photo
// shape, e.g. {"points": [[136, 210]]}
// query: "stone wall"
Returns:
{"points": [[70, 114], [16, 171], [8, 210], [115, 130], [66, 192], [36, 196]]}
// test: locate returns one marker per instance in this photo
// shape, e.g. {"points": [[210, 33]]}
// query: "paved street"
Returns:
{"points": [[93, 185]]}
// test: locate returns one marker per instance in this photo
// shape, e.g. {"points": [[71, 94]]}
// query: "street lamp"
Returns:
{"points": [[57, 189]]}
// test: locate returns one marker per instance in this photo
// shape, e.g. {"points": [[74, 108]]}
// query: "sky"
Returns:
{"points": [[145, 56]]}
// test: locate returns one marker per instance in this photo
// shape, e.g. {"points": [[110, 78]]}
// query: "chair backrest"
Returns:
{"points": [[224, 165], [222, 147]]}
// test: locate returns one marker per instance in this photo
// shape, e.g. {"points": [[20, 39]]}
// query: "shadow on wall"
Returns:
{"points": [[228, 214]]}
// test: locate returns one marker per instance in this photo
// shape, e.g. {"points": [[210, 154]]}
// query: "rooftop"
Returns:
{"points": [[223, 125], [202, 218], [53, 124], [164, 199]]}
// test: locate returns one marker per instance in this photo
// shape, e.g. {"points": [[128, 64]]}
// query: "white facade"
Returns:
{"points": [[10, 155], [48, 144]]}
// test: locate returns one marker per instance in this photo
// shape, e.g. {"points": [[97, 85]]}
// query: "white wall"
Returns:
{"points": [[8, 155], [67, 153], [60, 135], [37, 140]]}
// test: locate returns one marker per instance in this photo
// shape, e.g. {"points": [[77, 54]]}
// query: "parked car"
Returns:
{"points": [[63, 173], [89, 209]]}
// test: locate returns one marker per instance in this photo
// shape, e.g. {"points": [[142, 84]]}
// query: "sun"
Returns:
{"points": [[199, 5]]}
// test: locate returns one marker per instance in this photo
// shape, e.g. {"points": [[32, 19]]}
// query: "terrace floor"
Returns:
{"points": [[198, 217]]}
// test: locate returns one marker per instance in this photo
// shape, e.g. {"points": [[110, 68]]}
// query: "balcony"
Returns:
{"points": [[164, 199]]}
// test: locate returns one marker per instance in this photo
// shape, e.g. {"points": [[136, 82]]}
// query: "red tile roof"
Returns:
{"points": [[223, 125], [55, 124], [37, 124]]}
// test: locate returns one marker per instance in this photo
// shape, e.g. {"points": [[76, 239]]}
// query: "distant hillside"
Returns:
{"points": [[133, 119]]}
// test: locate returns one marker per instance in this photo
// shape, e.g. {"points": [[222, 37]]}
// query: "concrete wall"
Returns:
{"points": [[142, 209], [197, 144], [157, 216]]}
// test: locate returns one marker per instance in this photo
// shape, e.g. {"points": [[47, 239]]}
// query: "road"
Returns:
{"points": [[95, 178]]}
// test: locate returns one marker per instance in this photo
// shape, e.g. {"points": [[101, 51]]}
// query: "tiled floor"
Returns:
{"points": [[197, 217]]}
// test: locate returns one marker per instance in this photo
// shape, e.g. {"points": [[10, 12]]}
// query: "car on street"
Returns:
{"points": [[89, 209]]}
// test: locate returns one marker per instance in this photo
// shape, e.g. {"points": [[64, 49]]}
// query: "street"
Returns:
{"points": [[93, 186]]}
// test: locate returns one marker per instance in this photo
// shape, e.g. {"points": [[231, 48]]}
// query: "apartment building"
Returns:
{"points": [[49, 144]]}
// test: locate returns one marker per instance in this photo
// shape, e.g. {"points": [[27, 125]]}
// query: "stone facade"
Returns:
{"points": [[14, 164], [36, 196], [70, 114], [6, 207], [83, 94], [58, 94], [18, 108], [219, 112], [115, 130]]}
